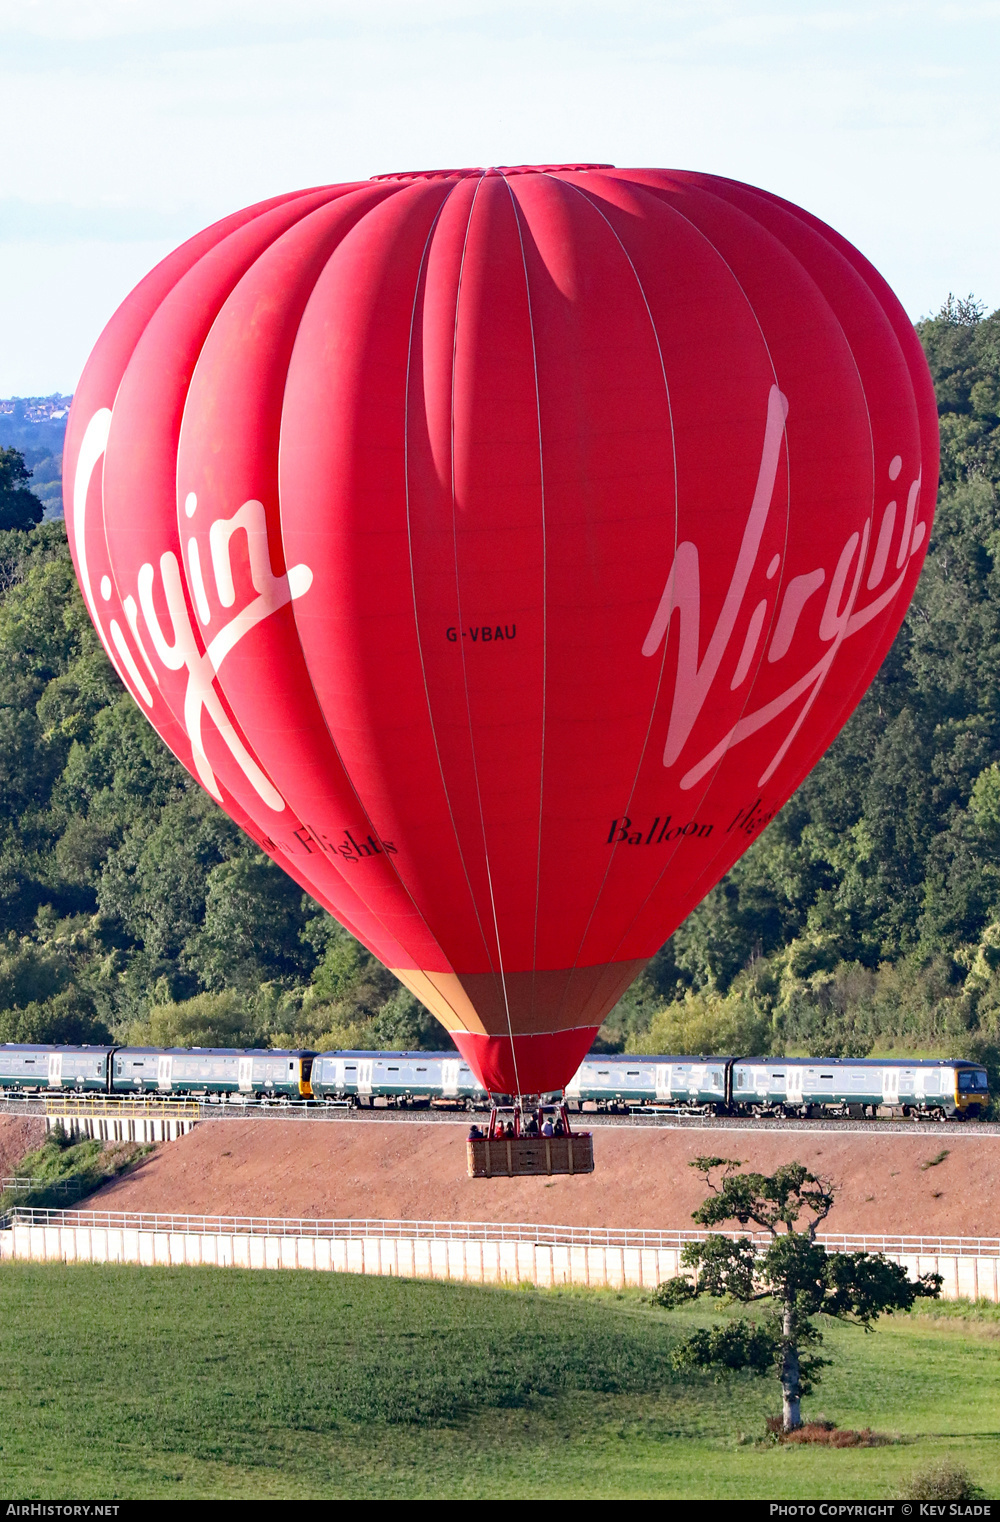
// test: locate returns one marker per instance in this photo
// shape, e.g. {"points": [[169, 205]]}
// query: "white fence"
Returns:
{"points": [[477, 1252]]}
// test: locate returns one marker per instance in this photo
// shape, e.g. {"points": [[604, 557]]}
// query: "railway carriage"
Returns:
{"points": [[28, 1068], [217, 1072], [399, 1079], [859, 1086], [622, 1083]]}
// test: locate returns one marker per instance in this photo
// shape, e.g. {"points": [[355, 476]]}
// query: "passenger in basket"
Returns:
{"points": [[474, 1132], [558, 1129], [547, 1127]]}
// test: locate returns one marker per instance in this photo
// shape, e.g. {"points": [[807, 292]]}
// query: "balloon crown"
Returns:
{"points": [[504, 169]]}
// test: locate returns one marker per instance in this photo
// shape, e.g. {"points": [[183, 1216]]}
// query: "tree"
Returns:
{"points": [[19, 508], [707, 1022], [791, 1270]]}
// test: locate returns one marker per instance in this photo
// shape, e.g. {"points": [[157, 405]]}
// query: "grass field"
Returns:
{"points": [[124, 1382]]}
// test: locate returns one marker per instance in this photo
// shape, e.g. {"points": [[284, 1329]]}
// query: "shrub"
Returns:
{"points": [[941, 1482], [672, 1293]]}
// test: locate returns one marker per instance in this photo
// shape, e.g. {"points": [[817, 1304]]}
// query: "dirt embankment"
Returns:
{"points": [[18, 1134], [386, 1171]]}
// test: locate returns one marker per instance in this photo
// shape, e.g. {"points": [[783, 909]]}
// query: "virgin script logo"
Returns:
{"points": [[841, 617], [178, 647]]}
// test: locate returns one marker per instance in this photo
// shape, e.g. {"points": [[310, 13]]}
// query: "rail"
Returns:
{"points": [[311, 1111], [466, 1231]]}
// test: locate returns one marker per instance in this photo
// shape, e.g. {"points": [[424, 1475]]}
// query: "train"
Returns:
{"points": [[214, 1072], [802, 1087]]}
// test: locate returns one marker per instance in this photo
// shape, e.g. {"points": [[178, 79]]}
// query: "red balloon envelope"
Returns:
{"points": [[501, 548]]}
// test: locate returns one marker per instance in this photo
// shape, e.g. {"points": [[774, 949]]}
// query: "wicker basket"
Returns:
{"points": [[527, 1156]]}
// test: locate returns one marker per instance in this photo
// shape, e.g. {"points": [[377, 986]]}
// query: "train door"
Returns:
{"points": [[890, 1086], [165, 1073], [366, 1070], [449, 1078], [793, 1084], [55, 1070], [244, 1075], [663, 1092]]}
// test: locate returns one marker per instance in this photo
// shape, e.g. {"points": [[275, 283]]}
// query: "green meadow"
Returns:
{"points": [[118, 1382]]}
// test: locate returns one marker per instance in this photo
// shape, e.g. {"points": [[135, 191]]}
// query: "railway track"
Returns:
{"points": [[345, 1115]]}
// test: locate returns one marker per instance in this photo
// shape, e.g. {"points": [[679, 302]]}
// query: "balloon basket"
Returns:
{"points": [[532, 1141]]}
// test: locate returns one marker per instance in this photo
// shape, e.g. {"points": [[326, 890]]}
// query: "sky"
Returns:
{"points": [[127, 125]]}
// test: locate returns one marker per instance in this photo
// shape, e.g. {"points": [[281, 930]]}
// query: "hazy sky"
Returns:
{"points": [[129, 124]]}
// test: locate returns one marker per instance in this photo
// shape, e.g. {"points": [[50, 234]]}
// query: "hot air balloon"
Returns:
{"points": [[500, 548]]}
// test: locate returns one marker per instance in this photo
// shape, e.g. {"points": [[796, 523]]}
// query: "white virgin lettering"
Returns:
{"points": [[838, 620]]}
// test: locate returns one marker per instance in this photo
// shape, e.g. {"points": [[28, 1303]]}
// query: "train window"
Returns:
{"points": [[392, 1070], [968, 1082], [421, 1070]]}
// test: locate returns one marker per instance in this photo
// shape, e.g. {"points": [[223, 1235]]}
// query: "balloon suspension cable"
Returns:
{"points": [[537, 1106], [510, 1028]]}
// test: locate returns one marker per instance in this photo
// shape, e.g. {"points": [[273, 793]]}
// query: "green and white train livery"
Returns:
{"points": [[768, 1086]]}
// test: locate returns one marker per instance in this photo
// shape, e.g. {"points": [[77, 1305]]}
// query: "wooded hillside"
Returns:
{"points": [[866, 918]]}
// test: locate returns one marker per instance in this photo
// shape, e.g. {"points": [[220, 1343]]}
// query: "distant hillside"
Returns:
{"points": [[36, 426]]}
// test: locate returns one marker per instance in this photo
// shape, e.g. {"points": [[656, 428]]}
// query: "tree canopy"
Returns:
{"points": [[19, 508], [790, 1271]]}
